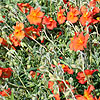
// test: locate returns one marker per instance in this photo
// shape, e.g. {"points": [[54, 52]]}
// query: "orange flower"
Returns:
{"points": [[18, 33], [53, 66], [33, 74], [98, 0], [60, 17], [86, 17], [50, 23], [0, 73], [66, 69], [81, 77], [92, 3], [79, 43], [14, 40], [94, 21], [5, 72], [50, 86], [65, 1], [3, 42], [35, 16], [62, 86], [24, 7], [60, 57], [95, 10], [5, 93], [31, 31], [87, 94], [19, 26], [1, 21], [96, 18], [72, 15], [3, 16], [84, 9], [95, 98], [57, 96]]}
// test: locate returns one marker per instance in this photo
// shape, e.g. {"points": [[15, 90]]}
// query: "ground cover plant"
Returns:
{"points": [[49, 50]]}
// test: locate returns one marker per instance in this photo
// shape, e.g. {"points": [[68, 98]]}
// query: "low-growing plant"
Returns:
{"points": [[49, 50]]}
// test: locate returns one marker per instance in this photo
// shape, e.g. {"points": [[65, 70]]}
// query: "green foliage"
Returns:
{"points": [[33, 55]]}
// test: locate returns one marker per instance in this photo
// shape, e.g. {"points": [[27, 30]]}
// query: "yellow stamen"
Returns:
{"points": [[63, 65], [80, 41], [51, 19], [98, 18], [85, 15]]}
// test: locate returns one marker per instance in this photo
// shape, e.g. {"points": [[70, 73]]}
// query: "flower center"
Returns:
{"points": [[51, 19], [34, 14], [80, 41], [98, 18], [71, 14], [85, 15], [16, 31], [59, 15], [63, 66]]}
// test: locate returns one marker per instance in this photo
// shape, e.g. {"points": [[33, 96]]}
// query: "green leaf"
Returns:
{"points": [[12, 94]]}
